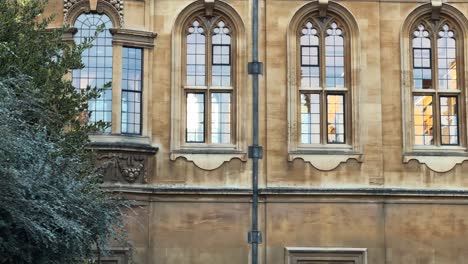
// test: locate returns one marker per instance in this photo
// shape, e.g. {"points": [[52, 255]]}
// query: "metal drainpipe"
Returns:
{"points": [[255, 150]]}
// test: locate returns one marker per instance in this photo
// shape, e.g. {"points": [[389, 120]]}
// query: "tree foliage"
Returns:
{"points": [[51, 207]]}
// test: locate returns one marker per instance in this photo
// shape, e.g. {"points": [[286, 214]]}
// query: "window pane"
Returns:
{"points": [[422, 66], [221, 59], [334, 57], [449, 120], [221, 118], [195, 117], [310, 118], [131, 90], [98, 64], [195, 55], [447, 59], [310, 71], [423, 120], [335, 119]]}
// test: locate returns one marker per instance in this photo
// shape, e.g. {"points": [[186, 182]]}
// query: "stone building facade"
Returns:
{"points": [[363, 121]]}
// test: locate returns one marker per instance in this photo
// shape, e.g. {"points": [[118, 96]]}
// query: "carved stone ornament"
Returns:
{"points": [[123, 167], [436, 6], [94, 5], [323, 6]]}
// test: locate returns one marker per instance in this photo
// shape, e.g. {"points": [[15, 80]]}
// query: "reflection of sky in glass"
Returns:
{"points": [[446, 60], [196, 55], [310, 118], [195, 117], [422, 67], [131, 90], [221, 118], [221, 67], [449, 120], [310, 72], [98, 64], [334, 57]]}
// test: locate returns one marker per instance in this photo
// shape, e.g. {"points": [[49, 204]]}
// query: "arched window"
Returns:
{"points": [[209, 85], [208, 96], [436, 90], [98, 63], [323, 52], [434, 87], [323, 89]]}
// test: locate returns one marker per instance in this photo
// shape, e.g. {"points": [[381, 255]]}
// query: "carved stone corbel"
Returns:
{"points": [[209, 7], [436, 7], [93, 5], [124, 162], [323, 6]]}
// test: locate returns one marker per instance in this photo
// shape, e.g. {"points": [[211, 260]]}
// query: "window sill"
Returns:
{"points": [[209, 159], [437, 160], [325, 159], [126, 143]]}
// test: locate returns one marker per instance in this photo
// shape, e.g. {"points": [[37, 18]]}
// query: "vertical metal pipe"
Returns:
{"points": [[255, 124]]}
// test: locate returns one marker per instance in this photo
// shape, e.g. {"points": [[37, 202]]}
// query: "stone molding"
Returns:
{"points": [[209, 159], [325, 160], [113, 8], [117, 255], [296, 255], [438, 161], [133, 38]]}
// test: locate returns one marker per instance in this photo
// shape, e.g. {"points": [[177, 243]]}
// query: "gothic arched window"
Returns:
{"points": [[323, 83], [209, 85], [323, 92], [434, 117], [436, 85]]}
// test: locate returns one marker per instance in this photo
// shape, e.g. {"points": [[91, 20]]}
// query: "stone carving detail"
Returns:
{"points": [[118, 5], [118, 167]]}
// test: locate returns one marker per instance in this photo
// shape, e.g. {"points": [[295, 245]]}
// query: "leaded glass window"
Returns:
{"points": [[323, 86], [132, 64], [436, 93], [97, 62], [209, 85]]}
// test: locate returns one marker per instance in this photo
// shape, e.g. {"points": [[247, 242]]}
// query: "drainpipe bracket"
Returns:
{"points": [[254, 237], [255, 152], [255, 68]]}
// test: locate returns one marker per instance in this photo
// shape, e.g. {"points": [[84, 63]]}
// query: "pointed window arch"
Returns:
{"points": [[209, 99], [323, 111], [323, 91], [208, 81], [434, 87]]}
